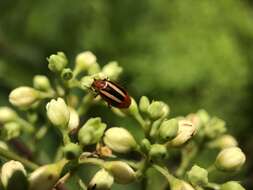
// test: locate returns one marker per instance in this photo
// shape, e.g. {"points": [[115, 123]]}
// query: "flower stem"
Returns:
{"points": [[165, 173], [13, 156], [94, 161]]}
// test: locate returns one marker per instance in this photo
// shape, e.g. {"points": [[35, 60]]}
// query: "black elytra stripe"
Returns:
{"points": [[115, 91], [110, 96]]}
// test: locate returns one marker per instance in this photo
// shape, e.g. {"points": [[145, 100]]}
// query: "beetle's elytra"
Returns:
{"points": [[112, 93]]}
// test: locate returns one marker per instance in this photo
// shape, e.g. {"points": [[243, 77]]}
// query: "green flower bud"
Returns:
{"points": [[41, 82], [84, 60], [145, 145], [121, 171], [102, 180], [58, 112], [67, 74], [158, 151], [224, 141], [57, 62], [91, 132], [94, 69], [144, 104], [3, 145], [45, 177], [86, 82], [215, 127], [112, 70], [72, 151], [7, 114], [23, 96], [168, 129], [198, 176], [73, 119], [203, 116], [185, 131], [230, 159], [13, 176], [180, 185], [10, 130], [133, 108], [231, 185], [156, 109], [119, 140]]}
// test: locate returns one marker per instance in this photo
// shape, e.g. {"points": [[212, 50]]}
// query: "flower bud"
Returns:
{"points": [[231, 185], [215, 127], [45, 177], [180, 185], [23, 96], [91, 132], [86, 82], [112, 70], [10, 130], [57, 62], [224, 141], [102, 180], [84, 60], [72, 151], [185, 131], [58, 112], [41, 82], [3, 145], [156, 109], [122, 172], [67, 74], [119, 140], [168, 129], [158, 151], [7, 114], [133, 108], [145, 145], [144, 104], [94, 69], [230, 159], [73, 119], [13, 176], [198, 176]]}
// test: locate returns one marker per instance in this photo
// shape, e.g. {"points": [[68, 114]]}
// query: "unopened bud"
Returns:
{"points": [[145, 145], [198, 176], [230, 159], [112, 70], [45, 177], [185, 131], [7, 114], [23, 96], [119, 140], [72, 151], [57, 62], [215, 127], [203, 116], [67, 74], [13, 176], [156, 109], [58, 112], [144, 104], [73, 119], [180, 185], [102, 180], [224, 141], [231, 185], [84, 60], [158, 151], [91, 132], [121, 171], [168, 129], [86, 82], [41, 82], [10, 130]]}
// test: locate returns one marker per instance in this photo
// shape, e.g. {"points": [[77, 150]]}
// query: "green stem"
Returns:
{"points": [[26, 125], [13, 156], [214, 186], [94, 161], [165, 173]]}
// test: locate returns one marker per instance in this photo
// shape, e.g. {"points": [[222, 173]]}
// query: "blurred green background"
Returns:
{"points": [[191, 54]]}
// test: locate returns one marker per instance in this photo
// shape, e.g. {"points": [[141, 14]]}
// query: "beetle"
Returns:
{"points": [[112, 93]]}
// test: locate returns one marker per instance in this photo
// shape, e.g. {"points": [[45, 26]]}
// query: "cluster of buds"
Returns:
{"points": [[123, 154]]}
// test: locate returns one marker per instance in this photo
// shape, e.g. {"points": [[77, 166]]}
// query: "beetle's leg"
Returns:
{"points": [[109, 105]]}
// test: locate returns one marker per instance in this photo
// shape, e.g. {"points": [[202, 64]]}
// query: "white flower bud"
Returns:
{"points": [[198, 176], [73, 119], [85, 60], [185, 131], [224, 141], [102, 180], [144, 104], [119, 140], [7, 114], [10, 130], [23, 96], [57, 62], [112, 70], [180, 185], [45, 177], [156, 109], [231, 185], [230, 159], [41, 82], [8, 171], [58, 112], [122, 172]]}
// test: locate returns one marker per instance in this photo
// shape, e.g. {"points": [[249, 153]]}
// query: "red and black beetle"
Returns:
{"points": [[112, 93]]}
